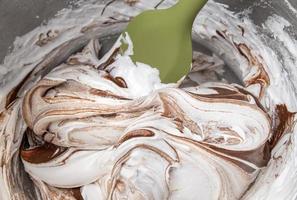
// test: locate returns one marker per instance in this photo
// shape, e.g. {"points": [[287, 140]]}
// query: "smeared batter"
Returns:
{"points": [[92, 127]]}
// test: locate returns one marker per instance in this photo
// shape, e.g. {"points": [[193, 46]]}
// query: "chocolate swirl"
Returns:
{"points": [[90, 128], [97, 135]]}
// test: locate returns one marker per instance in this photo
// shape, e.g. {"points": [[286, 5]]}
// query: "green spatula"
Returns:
{"points": [[163, 39]]}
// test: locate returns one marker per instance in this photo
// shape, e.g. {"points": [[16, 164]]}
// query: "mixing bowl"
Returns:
{"points": [[257, 41]]}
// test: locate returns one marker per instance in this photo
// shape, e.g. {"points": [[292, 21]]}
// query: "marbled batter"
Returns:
{"points": [[86, 127]]}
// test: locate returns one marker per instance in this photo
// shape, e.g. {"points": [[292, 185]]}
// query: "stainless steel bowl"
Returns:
{"points": [[19, 17]]}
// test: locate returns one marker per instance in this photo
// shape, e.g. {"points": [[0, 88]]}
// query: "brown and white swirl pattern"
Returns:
{"points": [[76, 125], [89, 130]]}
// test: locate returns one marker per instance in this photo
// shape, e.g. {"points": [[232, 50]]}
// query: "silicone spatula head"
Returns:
{"points": [[162, 38]]}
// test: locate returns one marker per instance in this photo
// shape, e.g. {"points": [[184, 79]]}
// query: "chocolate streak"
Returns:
{"points": [[261, 77], [284, 122], [42, 154], [117, 80], [76, 193]]}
